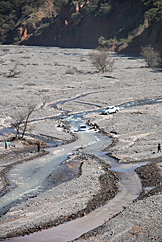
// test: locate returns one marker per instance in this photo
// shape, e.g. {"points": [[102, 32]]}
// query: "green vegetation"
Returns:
{"points": [[15, 13], [152, 12], [97, 8], [59, 4], [154, 9]]}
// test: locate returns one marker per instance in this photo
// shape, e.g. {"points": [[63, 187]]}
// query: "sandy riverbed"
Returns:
{"points": [[49, 75]]}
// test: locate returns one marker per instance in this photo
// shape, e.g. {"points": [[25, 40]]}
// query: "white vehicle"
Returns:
{"points": [[110, 109], [82, 128]]}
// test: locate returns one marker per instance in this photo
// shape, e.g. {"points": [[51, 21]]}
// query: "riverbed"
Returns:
{"points": [[44, 78]]}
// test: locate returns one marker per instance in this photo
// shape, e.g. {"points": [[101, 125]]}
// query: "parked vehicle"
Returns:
{"points": [[82, 128], [110, 109]]}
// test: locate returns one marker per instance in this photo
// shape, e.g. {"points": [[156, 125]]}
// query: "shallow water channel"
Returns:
{"points": [[25, 181], [26, 177]]}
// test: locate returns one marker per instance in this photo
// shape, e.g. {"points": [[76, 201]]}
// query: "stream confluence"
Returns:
{"points": [[25, 179]]}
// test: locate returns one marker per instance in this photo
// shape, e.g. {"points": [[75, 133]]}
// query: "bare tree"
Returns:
{"points": [[102, 61], [30, 110], [17, 122], [21, 120], [150, 56]]}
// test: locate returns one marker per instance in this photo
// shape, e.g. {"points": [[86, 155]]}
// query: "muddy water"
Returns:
{"points": [[26, 179], [129, 186]]}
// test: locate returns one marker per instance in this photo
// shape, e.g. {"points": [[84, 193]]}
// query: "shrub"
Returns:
{"points": [[150, 56], [104, 9], [102, 61]]}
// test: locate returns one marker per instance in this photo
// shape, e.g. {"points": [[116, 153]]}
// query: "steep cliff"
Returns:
{"points": [[20, 18], [123, 26], [151, 36], [74, 29]]}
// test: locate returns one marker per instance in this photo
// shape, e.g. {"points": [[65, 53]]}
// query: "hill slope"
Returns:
{"points": [[119, 25]]}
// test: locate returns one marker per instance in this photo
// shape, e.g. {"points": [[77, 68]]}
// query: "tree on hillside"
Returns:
{"points": [[21, 120], [102, 61], [151, 56]]}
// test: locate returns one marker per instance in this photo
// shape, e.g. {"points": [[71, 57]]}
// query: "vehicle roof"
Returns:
{"points": [[109, 107]]}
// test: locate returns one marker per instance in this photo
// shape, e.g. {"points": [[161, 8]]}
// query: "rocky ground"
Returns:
{"points": [[65, 202], [48, 76]]}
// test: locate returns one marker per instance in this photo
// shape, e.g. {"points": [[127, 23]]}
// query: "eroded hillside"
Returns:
{"points": [[118, 25]]}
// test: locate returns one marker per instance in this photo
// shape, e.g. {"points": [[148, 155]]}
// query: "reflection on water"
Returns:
{"points": [[29, 178], [25, 178], [141, 102]]}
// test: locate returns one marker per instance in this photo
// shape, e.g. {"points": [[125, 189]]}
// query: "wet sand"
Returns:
{"points": [[50, 75]]}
